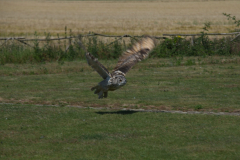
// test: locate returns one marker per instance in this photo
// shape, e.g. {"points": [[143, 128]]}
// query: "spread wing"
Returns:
{"points": [[136, 53], [93, 62], [97, 66]]}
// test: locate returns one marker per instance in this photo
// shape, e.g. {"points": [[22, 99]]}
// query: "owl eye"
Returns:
{"points": [[120, 80]]}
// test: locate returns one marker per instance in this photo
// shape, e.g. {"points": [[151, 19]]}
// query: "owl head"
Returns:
{"points": [[118, 81], [121, 80]]}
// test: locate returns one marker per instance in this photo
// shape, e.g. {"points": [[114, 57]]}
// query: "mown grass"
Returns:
{"points": [[187, 83], [47, 132]]}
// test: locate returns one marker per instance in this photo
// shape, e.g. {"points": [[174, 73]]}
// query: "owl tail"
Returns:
{"points": [[100, 92]]}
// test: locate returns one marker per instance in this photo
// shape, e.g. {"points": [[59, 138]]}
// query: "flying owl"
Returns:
{"points": [[116, 79]]}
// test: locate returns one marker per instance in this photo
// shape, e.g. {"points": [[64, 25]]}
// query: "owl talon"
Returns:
{"points": [[93, 88], [105, 94], [97, 91], [100, 95]]}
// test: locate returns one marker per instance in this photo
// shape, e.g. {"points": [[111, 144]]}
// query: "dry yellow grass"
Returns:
{"points": [[23, 17]]}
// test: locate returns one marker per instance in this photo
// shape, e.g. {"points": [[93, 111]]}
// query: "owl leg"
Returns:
{"points": [[93, 88], [96, 88], [100, 95], [98, 91], [105, 94]]}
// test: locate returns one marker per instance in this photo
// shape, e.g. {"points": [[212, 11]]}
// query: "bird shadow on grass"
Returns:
{"points": [[117, 112]]}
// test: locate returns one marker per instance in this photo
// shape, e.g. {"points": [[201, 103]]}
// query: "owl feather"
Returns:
{"points": [[97, 66], [136, 53]]}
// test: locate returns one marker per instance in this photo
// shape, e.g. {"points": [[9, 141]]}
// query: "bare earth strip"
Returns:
{"points": [[24, 17], [120, 111]]}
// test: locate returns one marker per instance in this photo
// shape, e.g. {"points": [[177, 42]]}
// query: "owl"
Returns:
{"points": [[116, 79]]}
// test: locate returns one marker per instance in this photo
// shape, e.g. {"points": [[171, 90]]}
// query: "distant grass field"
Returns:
{"points": [[45, 132], [149, 0], [154, 18], [188, 83]]}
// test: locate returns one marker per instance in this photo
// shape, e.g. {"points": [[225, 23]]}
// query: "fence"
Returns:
{"points": [[236, 34], [24, 40]]}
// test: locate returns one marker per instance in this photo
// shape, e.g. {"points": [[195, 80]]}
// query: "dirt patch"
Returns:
{"points": [[162, 109]]}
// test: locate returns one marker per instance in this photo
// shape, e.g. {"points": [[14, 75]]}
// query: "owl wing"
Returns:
{"points": [[93, 62], [136, 53], [97, 66]]}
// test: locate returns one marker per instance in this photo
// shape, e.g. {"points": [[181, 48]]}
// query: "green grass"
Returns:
{"points": [[32, 131], [47, 132], [171, 84]]}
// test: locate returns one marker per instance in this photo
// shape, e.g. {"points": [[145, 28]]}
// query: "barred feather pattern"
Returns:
{"points": [[136, 53], [96, 65]]}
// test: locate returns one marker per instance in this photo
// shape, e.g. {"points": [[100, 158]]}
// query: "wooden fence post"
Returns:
{"points": [[192, 40]]}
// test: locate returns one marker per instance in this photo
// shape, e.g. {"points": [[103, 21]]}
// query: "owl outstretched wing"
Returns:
{"points": [[95, 64], [136, 53]]}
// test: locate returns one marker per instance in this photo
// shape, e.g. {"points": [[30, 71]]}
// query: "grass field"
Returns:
{"points": [[154, 18], [189, 83], [45, 132], [67, 131]]}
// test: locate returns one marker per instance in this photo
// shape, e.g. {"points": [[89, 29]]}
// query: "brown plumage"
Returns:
{"points": [[136, 53], [116, 79], [95, 64]]}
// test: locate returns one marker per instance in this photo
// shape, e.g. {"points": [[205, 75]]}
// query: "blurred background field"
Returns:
{"points": [[24, 17]]}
